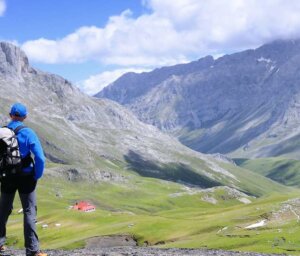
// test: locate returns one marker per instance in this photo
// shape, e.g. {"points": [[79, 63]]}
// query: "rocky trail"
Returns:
{"points": [[137, 251], [125, 245]]}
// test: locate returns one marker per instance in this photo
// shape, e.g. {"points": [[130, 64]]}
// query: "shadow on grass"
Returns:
{"points": [[240, 161], [286, 173], [176, 172]]}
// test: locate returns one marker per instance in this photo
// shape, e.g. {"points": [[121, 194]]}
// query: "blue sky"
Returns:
{"points": [[53, 19], [32, 19], [93, 42]]}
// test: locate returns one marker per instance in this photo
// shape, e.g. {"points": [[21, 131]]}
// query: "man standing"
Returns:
{"points": [[25, 182]]}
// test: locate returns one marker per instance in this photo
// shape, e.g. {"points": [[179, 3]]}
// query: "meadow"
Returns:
{"points": [[159, 213]]}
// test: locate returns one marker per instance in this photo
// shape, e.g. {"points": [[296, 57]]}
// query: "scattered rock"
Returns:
{"points": [[288, 210], [209, 199], [144, 251], [110, 241], [244, 200], [105, 175], [73, 174], [223, 158]]}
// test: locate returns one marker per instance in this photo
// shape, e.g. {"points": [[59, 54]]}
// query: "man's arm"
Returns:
{"points": [[39, 157]]}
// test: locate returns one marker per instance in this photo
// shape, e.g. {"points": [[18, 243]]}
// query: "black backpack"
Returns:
{"points": [[10, 157]]}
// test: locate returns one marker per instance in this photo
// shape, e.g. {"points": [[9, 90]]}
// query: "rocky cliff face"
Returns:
{"points": [[131, 86], [244, 104], [98, 139], [12, 60]]}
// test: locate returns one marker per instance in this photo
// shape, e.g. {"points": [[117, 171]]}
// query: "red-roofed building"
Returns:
{"points": [[84, 206]]}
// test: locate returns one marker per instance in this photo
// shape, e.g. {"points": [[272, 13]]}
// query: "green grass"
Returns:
{"points": [[157, 217], [284, 171]]}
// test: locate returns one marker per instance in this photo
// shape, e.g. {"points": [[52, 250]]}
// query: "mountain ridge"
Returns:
{"points": [[234, 105]]}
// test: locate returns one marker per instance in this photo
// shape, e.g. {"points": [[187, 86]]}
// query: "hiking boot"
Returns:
{"points": [[40, 254], [2, 248]]}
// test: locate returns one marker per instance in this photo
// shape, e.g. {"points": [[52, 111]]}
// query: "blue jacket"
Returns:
{"points": [[29, 142]]}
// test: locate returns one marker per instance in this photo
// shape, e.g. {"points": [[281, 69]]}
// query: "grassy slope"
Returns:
{"points": [[285, 171], [253, 183], [183, 221]]}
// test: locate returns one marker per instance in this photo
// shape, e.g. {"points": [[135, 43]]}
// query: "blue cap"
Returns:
{"points": [[18, 109]]}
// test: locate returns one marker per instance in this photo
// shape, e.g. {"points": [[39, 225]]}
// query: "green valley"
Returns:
{"points": [[160, 213]]}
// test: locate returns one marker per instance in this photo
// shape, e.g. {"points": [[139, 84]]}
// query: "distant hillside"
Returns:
{"points": [[245, 104], [98, 139], [284, 171]]}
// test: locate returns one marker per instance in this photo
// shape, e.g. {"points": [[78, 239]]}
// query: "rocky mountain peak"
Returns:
{"points": [[131, 86], [237, 103], [12, 59]]}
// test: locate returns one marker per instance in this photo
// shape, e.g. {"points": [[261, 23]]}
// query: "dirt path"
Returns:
{"points": [[125, 245], [137, 251]]}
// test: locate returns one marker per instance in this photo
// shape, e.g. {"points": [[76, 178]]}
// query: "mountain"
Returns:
{"points": [[99, 140], [245, 104]]}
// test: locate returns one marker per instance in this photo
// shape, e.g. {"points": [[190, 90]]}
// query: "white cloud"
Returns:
{"points": [[96, 83], [2, 7], [174, 31]]}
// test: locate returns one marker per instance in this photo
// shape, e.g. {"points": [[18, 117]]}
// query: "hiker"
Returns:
{"points": [[24, 181]]}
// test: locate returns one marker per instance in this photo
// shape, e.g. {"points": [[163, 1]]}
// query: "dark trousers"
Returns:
{"points": [[25, 185]]}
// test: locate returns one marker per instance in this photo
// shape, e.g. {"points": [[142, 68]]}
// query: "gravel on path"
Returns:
{"points": [[137, 251]]}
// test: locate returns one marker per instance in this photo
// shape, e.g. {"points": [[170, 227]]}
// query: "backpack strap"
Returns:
{"points": [[19, 128], [27, 160]]}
